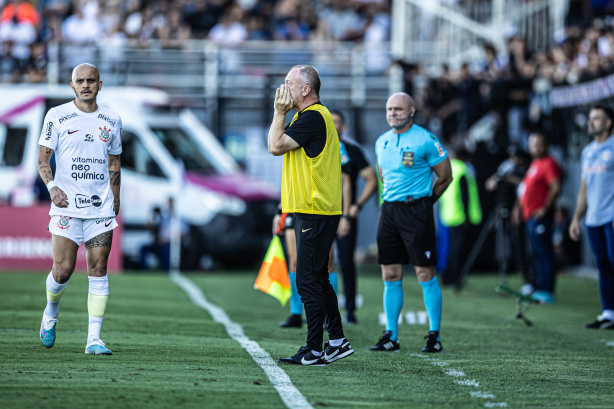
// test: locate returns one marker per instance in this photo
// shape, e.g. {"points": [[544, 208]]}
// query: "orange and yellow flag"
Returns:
{"points": [[273, 276]]}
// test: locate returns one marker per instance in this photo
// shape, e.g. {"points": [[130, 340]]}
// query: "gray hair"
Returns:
{"points": [[311, 77]]}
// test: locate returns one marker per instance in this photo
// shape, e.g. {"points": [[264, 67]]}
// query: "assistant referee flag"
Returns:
{"points": [[273, 276]]}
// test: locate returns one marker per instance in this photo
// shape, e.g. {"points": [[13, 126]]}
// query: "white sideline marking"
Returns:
{"points": [[280, 380], [454, 372], [457, 373], [482, 395], [468, 382]]}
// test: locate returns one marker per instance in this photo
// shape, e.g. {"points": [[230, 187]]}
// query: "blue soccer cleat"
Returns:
{"points": [[47, 332], [97, 349]]}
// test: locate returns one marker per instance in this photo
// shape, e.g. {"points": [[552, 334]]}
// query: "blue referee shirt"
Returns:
{"points": [[406, 160], [598, 171]]}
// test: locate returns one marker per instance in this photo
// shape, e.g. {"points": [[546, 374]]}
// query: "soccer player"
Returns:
{"points": [[86, 140], [311, 189], [407, 156], [596, 200]]}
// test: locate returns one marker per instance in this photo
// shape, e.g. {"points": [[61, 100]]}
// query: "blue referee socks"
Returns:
{"points": [[393, 303], [334, 281], [433, 303], [296, 305]]}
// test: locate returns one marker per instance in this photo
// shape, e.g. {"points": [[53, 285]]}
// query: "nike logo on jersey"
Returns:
{"points": [[304, 230], [108, 224], [72, 132]]}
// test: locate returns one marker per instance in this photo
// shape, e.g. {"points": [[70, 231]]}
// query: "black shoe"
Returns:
{"points": [[386, 344], [304, 356], [293, 321], [331, 354], [601, 323], [432, 345]]}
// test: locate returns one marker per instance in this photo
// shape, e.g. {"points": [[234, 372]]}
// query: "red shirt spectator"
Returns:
{"points": [[543, 172], [23, 10]]}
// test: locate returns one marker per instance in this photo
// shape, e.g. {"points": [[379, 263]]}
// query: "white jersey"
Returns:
{"points": [[82, 142]]}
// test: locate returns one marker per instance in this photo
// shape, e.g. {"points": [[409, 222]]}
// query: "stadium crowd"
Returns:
{"points": [[27, 28], [512, 86]]}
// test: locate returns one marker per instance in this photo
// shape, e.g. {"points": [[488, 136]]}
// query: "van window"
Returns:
{"points": [[136, 157], [13, 146], [182, 147]]}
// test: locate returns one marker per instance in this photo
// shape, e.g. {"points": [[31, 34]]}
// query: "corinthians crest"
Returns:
{"points": [[64, 222], [105, 134]]}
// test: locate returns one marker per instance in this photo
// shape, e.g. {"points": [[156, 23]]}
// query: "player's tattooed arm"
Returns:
{"points": [[102, 240], [115, 179], [42, 163], [58, 197]]}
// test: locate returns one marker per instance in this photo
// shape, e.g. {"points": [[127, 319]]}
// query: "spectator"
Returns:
{"points": [[80, 30], [542, 185], [175, 33], [229, 33], [18, 25]]}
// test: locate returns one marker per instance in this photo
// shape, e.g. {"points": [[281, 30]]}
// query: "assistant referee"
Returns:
{"points": [[311, 189], [407, 156]]}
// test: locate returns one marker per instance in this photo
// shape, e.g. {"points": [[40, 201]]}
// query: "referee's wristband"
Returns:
{"points": [[346, 216], [51, 185]]}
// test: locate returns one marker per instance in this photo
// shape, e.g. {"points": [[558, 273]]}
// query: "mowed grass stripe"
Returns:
{"points": [[552, 364], [166, 351], [163, 344], [280, 380]]}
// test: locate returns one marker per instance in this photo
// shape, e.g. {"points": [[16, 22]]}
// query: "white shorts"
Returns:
{"points": [[80, 230]]}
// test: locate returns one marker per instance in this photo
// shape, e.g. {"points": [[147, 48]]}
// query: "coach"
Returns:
{"points": [[407, 156], [311, 189]]}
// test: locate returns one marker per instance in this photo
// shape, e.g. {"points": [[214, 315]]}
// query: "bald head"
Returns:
{"points": [[400, 110], [86, 84], [85, 69]]}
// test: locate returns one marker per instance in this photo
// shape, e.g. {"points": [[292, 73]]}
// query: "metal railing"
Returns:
{"points": [[430, 33], [212, 80]]}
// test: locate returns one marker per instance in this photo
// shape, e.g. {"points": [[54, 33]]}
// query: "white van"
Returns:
{"points": [[167, 152]]}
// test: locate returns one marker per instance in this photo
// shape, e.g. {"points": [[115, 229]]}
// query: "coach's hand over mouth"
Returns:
{"points": [[283, 100]]}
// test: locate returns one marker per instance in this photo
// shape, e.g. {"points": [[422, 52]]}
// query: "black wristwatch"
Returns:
{"points": [[346, 216]]}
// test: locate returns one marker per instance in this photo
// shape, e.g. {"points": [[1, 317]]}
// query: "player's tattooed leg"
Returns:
{"points": [[102, 240]]}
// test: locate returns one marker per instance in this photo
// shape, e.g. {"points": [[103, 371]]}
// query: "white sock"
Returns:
{"points": [[336, 342], [93, 330], [98, 293], [316, 353], [608, 314], [53, 307]]}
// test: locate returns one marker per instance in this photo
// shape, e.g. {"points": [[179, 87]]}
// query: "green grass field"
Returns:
{"points": [[168, 352]]}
